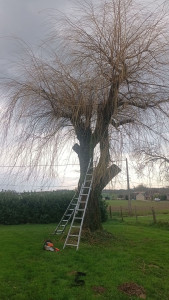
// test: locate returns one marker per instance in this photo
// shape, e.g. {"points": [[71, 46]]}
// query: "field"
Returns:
{"points": [[141, 207], [128, 252]]}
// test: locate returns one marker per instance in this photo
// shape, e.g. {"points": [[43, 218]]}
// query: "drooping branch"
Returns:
{"points": [[143, 104], [152, 156], [116, 124]]}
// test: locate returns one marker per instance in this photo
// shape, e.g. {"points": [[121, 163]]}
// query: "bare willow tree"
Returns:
{"points": [[100, 79]]}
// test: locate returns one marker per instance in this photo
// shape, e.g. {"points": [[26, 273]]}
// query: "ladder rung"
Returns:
{"points": [[71, 245], [64, 220], [84, 194], [78, 218], [76, 226], [68, 215], [73, 235], [71, 208], [80, 209]]}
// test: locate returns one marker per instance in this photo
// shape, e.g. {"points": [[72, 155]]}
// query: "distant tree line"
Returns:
{"points": [[37, 207]]}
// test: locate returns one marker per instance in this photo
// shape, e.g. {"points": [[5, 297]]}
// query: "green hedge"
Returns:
{"points": [[43, 207], [36, 207]]}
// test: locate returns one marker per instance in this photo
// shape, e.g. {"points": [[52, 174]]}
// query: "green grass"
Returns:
{"points": [[136, 252]]}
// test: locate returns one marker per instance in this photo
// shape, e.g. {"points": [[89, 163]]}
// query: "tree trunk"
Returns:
{"points": [[84, 155], [101, 177], [92, 218], [93, 215]]}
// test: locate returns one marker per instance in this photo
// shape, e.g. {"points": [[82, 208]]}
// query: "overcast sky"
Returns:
{"points": [[27, 20]]}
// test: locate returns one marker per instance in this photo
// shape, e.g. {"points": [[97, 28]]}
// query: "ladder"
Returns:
{"points": [[67, 216], [74, 233]]}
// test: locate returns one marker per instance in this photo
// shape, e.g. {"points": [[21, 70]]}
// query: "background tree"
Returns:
{"points": [[100, 79], [155, 159]]}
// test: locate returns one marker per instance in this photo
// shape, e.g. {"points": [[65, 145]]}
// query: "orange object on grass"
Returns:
{"points": [[49, 244]]}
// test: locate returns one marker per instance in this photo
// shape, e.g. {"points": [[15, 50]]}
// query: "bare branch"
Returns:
{"points": [[116, 124]]}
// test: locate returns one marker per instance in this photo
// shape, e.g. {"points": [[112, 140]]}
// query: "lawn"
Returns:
{"points": [[134, 252]]}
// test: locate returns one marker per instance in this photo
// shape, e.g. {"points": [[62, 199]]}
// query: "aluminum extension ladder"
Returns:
{"points": [[74, 233], [76, 210]]}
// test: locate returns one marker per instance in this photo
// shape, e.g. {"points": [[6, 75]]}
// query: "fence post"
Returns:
{"points": [[154, 215], [136, 214], [121, 213], [110, 212]]}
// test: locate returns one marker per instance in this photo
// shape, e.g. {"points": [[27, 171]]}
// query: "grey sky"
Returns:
{"points": [[25, 20]]}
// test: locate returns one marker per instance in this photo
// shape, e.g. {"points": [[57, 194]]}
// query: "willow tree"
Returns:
{"points": [[99, 78]]}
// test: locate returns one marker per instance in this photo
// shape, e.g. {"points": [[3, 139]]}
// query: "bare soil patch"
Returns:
{"points": [[133, 289], [99, 289], [100, 237]]}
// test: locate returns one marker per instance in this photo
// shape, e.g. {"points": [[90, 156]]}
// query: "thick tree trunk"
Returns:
{"points": [[92, 218], [93, 215], [101, 177], [84, 155]]}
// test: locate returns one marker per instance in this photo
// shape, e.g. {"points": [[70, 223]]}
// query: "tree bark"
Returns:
{"points": [[93, 216], [92, 219]]}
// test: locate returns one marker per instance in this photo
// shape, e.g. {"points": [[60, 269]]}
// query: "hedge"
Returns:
{"points": [[36, 207]]}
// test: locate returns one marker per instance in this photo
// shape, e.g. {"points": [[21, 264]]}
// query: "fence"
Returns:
{"points": [[139, 214]]}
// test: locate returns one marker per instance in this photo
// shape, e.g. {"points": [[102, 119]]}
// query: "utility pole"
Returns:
{"points": [[128, 188]]}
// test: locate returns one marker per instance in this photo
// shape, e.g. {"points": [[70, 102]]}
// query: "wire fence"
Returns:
{"points": [[149, 214], [64, 179]]}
